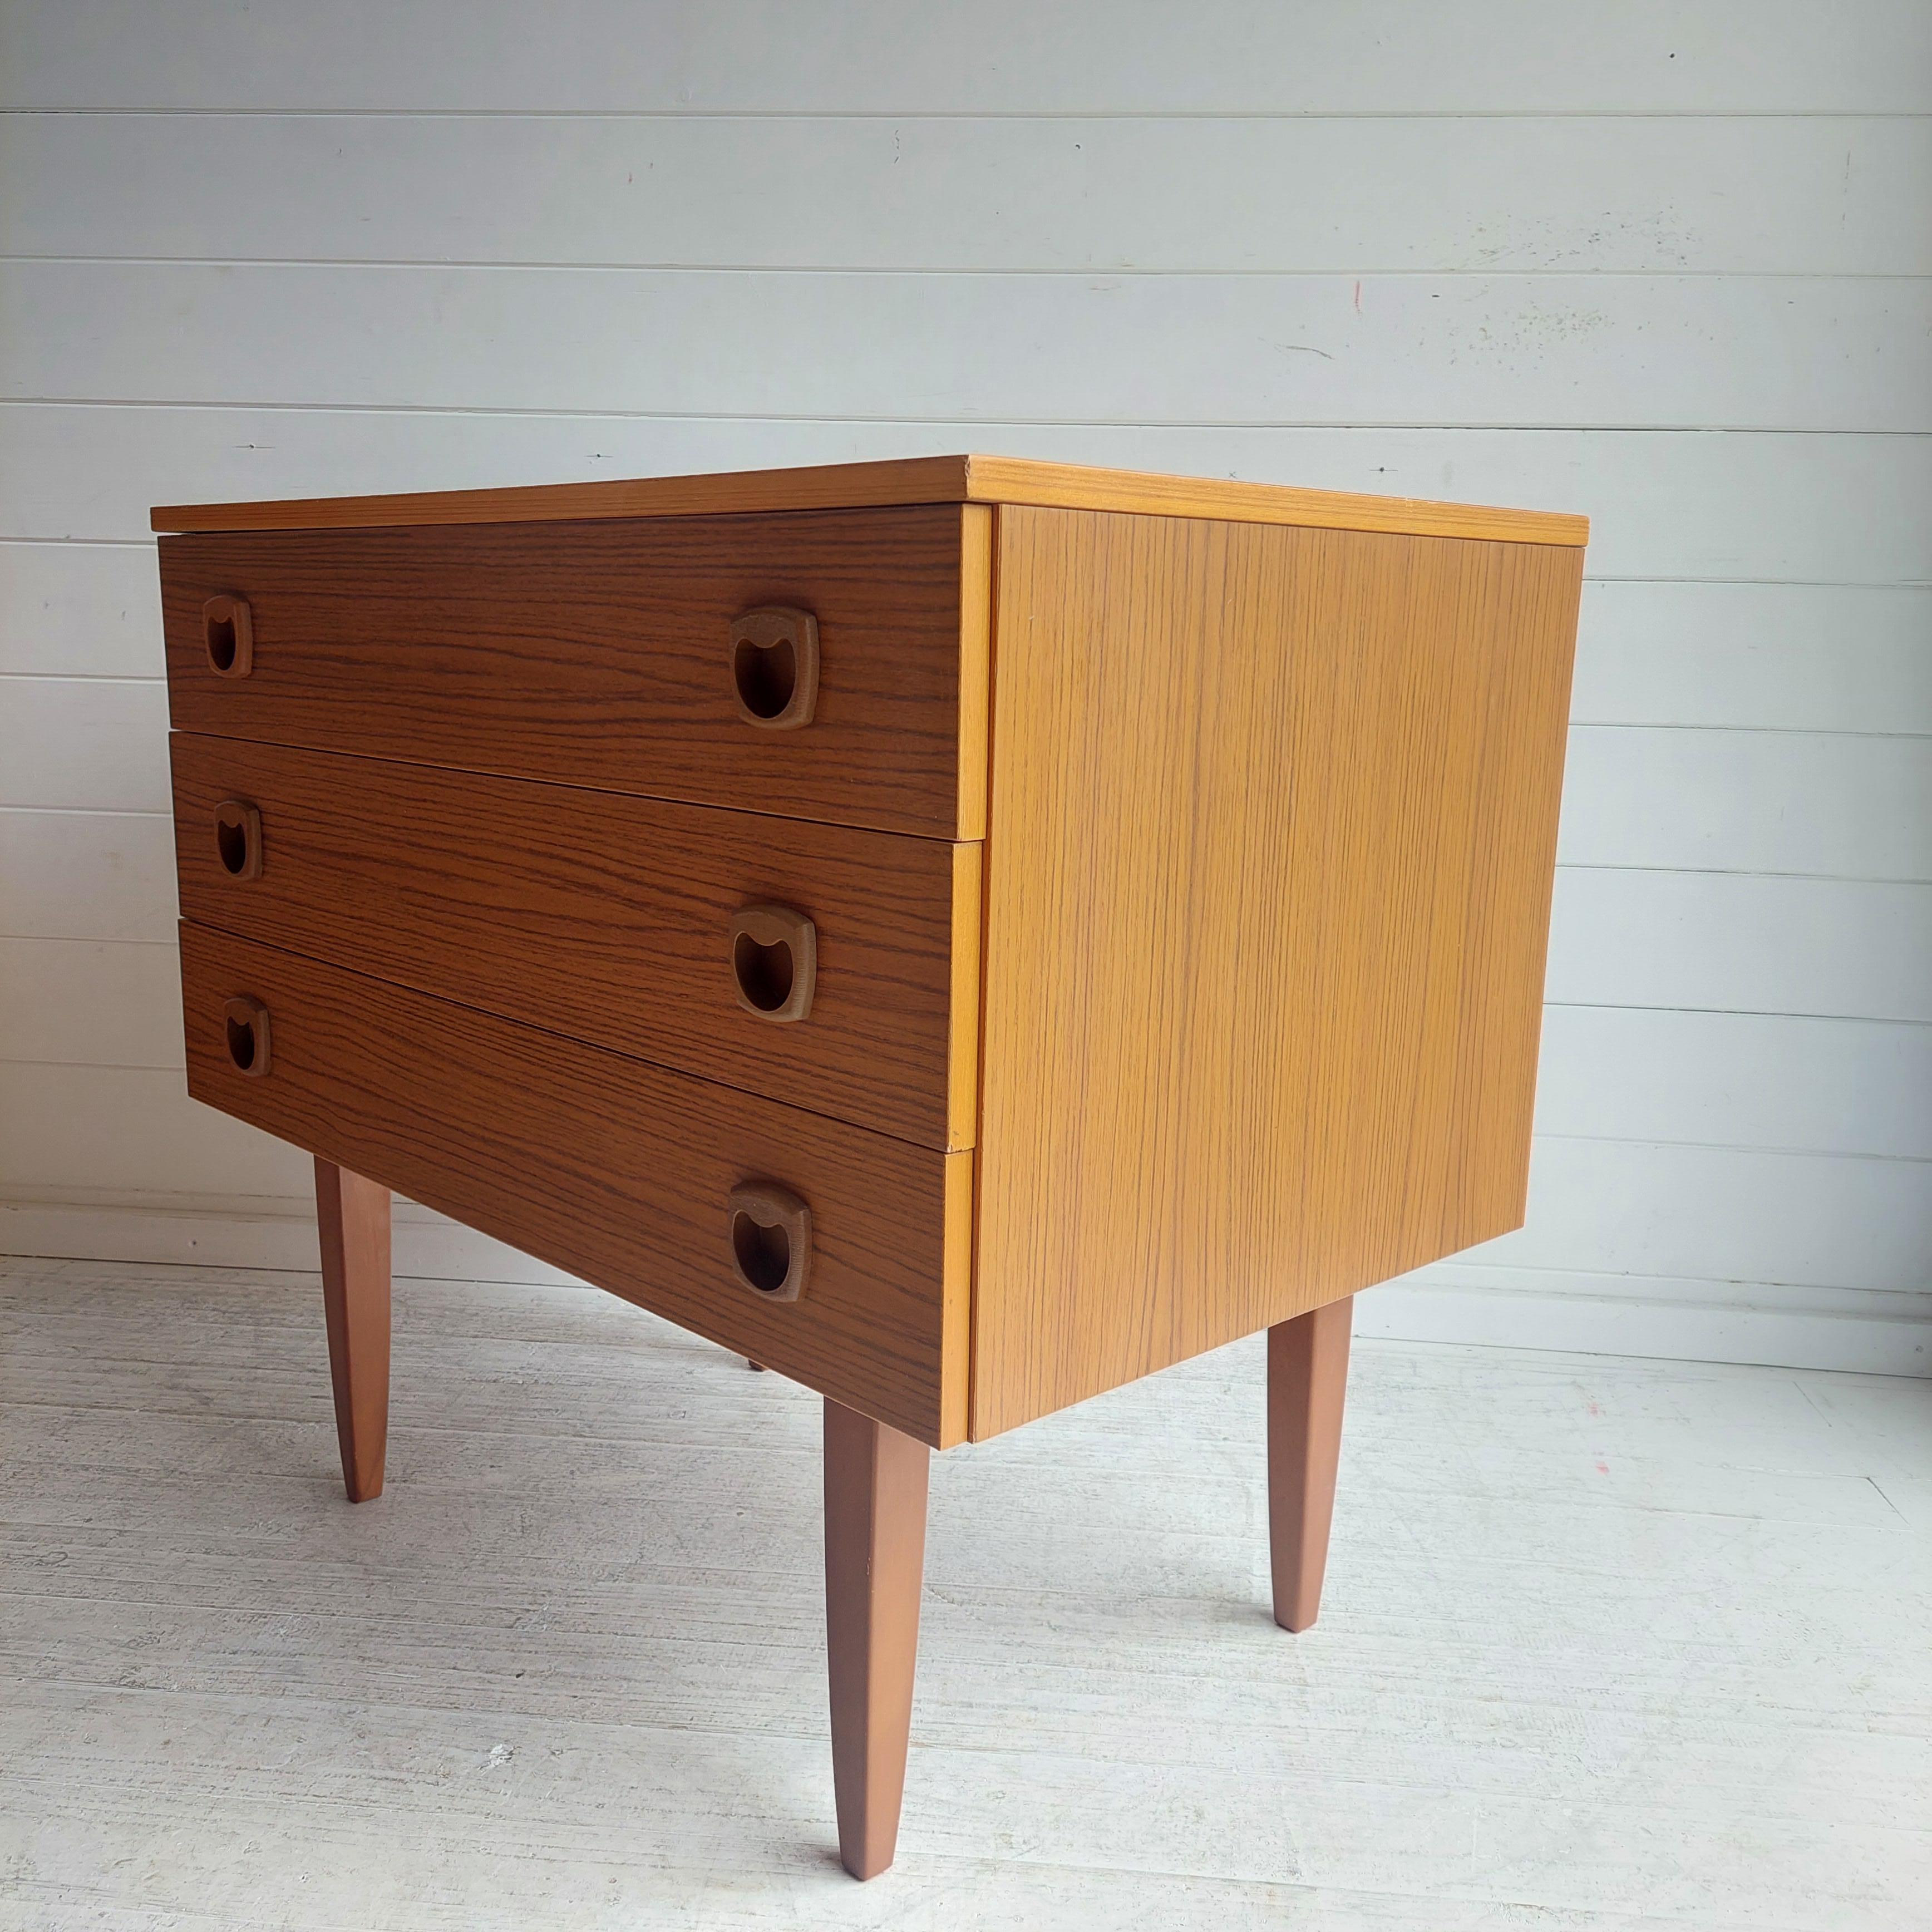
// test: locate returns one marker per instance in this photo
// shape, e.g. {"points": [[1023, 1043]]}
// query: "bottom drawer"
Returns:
{"points": [[619, 1171]]}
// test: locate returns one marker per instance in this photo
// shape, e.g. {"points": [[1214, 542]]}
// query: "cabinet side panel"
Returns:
{"points": [[1270, 844]]}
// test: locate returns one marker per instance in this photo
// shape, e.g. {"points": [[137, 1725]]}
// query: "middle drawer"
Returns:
{"points": [[679, 933]]}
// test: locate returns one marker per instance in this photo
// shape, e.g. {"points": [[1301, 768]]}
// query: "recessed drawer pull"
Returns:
{"points": [[771, 1240], [775, 667], [247, 1022], [774, 961], [228, 632], [238, 838]]}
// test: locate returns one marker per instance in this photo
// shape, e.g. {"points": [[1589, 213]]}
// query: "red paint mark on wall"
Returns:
{"points": [[1358, 298]]}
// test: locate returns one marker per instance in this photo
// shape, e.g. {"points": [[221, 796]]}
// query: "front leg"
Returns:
{"points": [[353, 1216], [1307, 1380], [875, 1489]]}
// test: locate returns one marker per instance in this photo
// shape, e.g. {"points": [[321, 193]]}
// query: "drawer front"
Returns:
{"points": [[621, 1172], [620, 921], [611, 655]]}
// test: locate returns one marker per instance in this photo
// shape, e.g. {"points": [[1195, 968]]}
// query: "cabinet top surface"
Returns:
{"points": [[921, 479]]}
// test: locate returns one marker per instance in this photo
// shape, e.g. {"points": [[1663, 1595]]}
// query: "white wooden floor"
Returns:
{"points": [[1606, 1642]]}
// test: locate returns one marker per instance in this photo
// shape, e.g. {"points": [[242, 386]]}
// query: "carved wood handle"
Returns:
{"points": [[770, 1230], [774, 961], [238, 838], [228, 630], [247, 1024], [774, 663]]}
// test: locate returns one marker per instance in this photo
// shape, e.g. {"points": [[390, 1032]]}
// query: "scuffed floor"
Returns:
{"points": [[1606, 1643]]}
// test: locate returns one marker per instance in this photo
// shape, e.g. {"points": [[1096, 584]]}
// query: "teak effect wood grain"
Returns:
{"points": [[1273, 824], [353, 1223], [608, 918], [598, 654], [1307, 1391], [918, 479], [875, 1498], [617, 1170]]}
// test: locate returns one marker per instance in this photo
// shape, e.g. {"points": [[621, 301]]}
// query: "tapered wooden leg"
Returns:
{"points": [[1308, 1379], [875, 1485], [354, 1216]]}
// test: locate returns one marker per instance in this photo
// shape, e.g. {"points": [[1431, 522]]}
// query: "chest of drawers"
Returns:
{"points": [[963, 933]]}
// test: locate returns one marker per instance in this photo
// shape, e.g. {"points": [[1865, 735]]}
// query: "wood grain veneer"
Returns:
{"points": [[921, 479], [598, 654], [353, 1223], [1273, 825], [617, 1170], [1234, 1013], [876, 1482], [1307, 1390], [608, 918]]}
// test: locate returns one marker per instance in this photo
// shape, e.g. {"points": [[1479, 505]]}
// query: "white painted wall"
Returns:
{"points": [[1667, 263]]}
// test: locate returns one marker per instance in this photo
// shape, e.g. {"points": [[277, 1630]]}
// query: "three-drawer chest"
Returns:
{"points": [[964, 933]]}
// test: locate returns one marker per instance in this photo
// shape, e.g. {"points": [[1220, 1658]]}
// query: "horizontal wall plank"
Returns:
{"points": [[87, 875], [1827, 804], [1786, 508], [80, 610], [133, 1129], [84, 1002], [1774, 944], [1773, 1082], [1787, 657], [1742, 1216], [1795, 657], [1748, 801], [1566, 351], [1825, 947], [1820, 195], [1783, 657], [1606, 1206], [253, 1234], [1764, 943], [98, 744], [964, 56], [1766, 1081], [1749, 1080]]}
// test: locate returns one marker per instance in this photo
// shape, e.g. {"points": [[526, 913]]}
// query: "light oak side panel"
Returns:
{"points": [[1017, 480], [1272, 833]]}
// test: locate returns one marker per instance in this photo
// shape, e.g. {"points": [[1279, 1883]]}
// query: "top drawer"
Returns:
{"points": [[612, 655]]}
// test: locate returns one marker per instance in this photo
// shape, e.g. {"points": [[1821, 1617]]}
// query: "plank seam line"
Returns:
{"points": [[931, 270], [154, 112], [546, 412], [1727, 1147]]}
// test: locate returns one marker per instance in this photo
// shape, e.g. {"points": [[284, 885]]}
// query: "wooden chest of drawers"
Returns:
{"points": [[964, 933]]}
